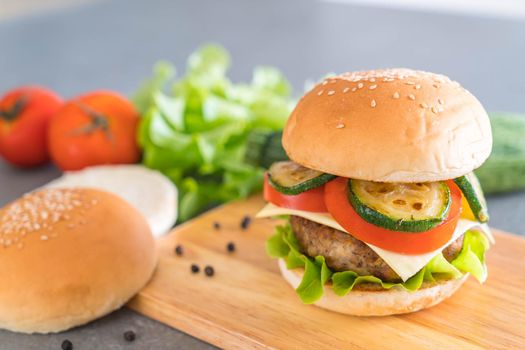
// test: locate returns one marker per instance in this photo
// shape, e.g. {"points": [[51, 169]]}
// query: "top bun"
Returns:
{"points": [[390, 125], [68, 257]]}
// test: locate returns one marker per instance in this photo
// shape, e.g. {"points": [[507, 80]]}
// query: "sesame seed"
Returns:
{"points": [[372, 80], [354, 89], [320, 93], [410, 83], [435, 85], [37, 212], [372, 87], [440, 101], [434, 110], [360, 85], [373, 103], [331, 92], [423, 105], [345, 90], [412, 97], [340, 126], [417, 87], [325, 82], [396, 95]]}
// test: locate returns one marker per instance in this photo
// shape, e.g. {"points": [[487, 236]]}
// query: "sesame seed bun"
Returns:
{"points": [[391, 125], [68, 257], [370, 302]]}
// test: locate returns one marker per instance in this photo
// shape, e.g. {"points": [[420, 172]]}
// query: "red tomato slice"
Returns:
{"points": [[311, 200], [410, 243]]}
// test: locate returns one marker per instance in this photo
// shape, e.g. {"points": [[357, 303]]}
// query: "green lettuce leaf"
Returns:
{"points": [[163, 72], [284, 245], [196, 132], [472, 256]]}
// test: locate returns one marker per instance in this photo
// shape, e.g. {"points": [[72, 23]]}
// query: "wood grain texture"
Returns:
{"points": [[247, 305]]}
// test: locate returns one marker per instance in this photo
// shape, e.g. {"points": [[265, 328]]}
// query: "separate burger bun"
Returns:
{"points": [[68, 257], [152, 193], [378, 302], [391, 125]]}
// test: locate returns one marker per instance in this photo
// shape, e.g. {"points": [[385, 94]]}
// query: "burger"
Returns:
{"points": [[384, 214]]}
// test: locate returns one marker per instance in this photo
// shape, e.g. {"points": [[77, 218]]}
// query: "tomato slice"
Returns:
{"points": [[311, 200], [410, 243]]}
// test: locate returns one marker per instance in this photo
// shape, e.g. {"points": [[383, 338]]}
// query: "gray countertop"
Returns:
{"points": [[113, 44]]}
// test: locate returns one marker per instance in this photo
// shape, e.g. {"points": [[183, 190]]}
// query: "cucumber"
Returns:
{"points": [[264, 147], [291, 178], [471, 189], [406, 207], [504, 171]]}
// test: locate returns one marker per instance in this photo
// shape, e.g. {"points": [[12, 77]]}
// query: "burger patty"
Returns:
{"points": [[344, 252]]}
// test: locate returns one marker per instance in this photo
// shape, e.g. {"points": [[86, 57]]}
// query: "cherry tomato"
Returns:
{"points": [[311, 200], [401, 242], [24, 117], [96, 128]]}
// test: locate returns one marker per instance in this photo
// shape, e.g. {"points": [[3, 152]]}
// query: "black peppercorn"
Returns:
{"points": [[209, 271], [67, 345], [179, 250], [230, 247], [194, 268], [129, 336], [246, 221], [216, 225]]}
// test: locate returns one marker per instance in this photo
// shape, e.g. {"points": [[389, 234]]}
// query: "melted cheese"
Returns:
{"points": [[404, 265]]}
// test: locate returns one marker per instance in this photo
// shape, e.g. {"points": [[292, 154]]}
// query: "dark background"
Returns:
{"points": [[113, 44]]}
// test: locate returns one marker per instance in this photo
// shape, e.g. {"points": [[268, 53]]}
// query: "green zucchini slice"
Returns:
{"points": [[471, 189], [405, 207], [291, 178]]}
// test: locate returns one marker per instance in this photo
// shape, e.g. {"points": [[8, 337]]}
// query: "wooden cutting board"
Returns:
{"points": [[247, 305]]}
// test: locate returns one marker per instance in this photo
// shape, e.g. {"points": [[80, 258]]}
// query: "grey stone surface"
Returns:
{"points": [[113, 44], [108, 334]]}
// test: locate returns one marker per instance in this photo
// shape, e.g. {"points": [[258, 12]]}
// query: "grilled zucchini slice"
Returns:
{"points": [[291, 178], [406, 207], [471, 189]]}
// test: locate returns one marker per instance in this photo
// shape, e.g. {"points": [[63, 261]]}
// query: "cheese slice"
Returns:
{"points": [[404, 265]]}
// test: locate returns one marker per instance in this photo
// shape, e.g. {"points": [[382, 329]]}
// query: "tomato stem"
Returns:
{"points": [[98, 122], [11, 114]]}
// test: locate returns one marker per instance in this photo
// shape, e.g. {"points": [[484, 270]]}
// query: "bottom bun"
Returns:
{"points": [[362, 302]]}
